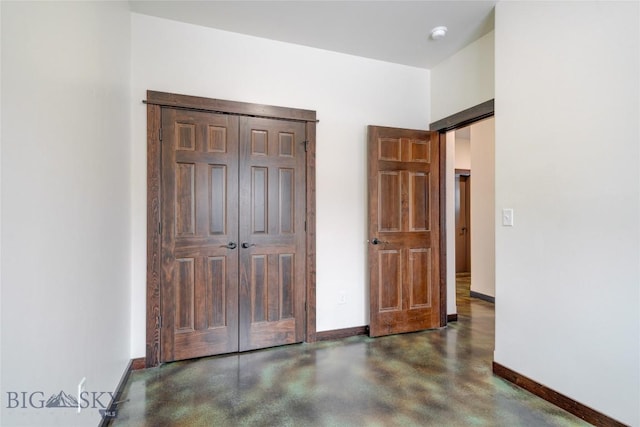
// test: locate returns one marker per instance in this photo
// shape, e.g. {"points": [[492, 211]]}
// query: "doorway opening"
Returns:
{"points": [[470, 123], [474, 226], [462, 191]]}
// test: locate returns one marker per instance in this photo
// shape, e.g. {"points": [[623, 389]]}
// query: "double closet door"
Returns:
{"points": [[232, 233]]}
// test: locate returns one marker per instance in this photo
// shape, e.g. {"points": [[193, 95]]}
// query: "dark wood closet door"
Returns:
{"points": [[272, 232], [404, 230], [207, 193], [199, 228]]}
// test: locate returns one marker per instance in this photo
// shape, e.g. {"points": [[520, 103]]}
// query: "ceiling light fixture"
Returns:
{"points": [[438, 33]]}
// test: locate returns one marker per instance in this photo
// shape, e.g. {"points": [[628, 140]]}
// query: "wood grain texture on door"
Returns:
{"points": [[463, 223], [233, 241], [199, 234], [404, 230], [200, 173], [272, 232]]}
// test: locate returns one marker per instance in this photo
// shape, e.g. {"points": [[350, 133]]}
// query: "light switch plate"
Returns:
{"points": [[507, 217]]}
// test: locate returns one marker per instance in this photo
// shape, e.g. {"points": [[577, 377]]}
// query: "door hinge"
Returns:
{"points": [[306, 146], [159, 322], [305, 226], [160, 134], [159, 228]]}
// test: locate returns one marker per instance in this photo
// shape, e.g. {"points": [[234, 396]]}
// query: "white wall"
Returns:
{"points": [[463, 153], [65, 203], [568, 162], [483, 218], [450, 177], [464, 80], [348, 94]]}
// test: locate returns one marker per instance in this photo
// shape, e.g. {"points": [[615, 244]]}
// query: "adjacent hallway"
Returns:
{"points": [[440, 378]]}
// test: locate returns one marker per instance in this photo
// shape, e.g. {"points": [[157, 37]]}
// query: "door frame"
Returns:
{"points": [[455, 121], [155, 101]]}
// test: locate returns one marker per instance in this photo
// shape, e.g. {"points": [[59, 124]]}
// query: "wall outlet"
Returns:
{"points": [[342, 297], [81, 386]]}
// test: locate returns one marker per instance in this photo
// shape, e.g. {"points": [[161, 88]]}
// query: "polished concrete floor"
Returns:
{"points": [[438, 378]]}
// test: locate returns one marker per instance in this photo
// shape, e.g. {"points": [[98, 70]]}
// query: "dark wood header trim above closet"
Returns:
{"points": [[229, 107]]}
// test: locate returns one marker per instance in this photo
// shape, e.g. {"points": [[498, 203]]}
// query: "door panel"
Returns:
{"points": [[199, 219], [272, 232], [463, 224], [403, 230]]}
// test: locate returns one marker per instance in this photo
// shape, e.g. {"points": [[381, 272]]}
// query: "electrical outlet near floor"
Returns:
{"points": [[81, 386]]}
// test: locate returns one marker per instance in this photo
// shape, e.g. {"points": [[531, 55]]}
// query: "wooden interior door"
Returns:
{"points": [[199, 229], [404, 230], [463, 223], [272, 232]]}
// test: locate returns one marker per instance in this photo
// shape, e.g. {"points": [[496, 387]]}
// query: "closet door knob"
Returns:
{"points": [[246, 245], [377, 241], [230, 245]]}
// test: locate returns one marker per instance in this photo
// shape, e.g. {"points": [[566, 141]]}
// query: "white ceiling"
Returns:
{"points": [[392, 31]]}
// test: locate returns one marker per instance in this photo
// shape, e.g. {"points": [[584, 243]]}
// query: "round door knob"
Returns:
{"points": [[377, 241]]}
